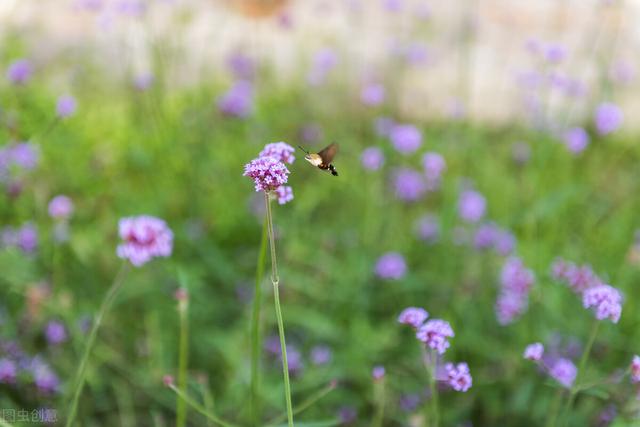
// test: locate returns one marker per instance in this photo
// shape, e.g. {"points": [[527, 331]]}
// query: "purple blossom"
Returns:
{"points": [[66, 106], [434, 334], [516, 281], [534, 352], [238, 100], [564, 371], [60, 207], [405, 138], [377, 373], [268, 173], [55, 332], [294, 358], [413, 316], [24, 155], [321, 355], [580, 278], [458, 376], [409, 402], [635, 369], [144, 238], [554, 52], [505, 242], [434, 165], [43, 376], [19, 71], [605, 300], [416, 53], [284, 194], [241, 65], [471, 206], [409, 185], [372, 158], [608, 118], [486, 236], [143, 81], [27, 238], [280, 151], [576, 140], [8, 371], [428, 228], [383, 126], [509, 306], [622, 72], [347, 415], [372, 94], [391, 266], [392, 5], [324, 61]]}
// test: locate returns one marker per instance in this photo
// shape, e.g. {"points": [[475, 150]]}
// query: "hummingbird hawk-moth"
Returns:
{"points": [[323, 159]]}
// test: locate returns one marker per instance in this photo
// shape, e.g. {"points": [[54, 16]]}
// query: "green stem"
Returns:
{"points": [[198, 407], [82, 368], [378, 417], [255, 329], [275, 280], [305, 404], [431, 367], [581, 366], [181, 408], [552, 415]]}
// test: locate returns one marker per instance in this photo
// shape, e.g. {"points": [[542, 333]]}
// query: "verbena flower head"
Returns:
{"points": [[372, 158], [564, 371], [581, 277], [284, 194], [280, 151], [144, 238], [635, 369], [554, 52], [55, 333], [268, 173], [60, 207], [238, 100], [409, 185], [505, 242], [515, 277], [19, 71], [510, 306], [8, 371], [43, 376], [405, 138], [383, 126], [434, 334], [377, 373], [143, 81], [66, 106], [372, 94], [428, 228], [413, 316], [605, 300], [608, 118], [534, 352], [27, 238], [471, 206], [576, 140], [241, 65], [434, 166], [391, 266], [24, 155], [486, 236], [321, 355], [458, 376]]}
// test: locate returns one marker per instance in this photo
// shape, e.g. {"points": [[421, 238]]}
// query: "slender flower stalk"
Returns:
{"points": [[256, 336], [311, 400], [430, 362], [552, 415], [198, 407], [379, 396], [275, 280], [183, 356], [82, 368]]}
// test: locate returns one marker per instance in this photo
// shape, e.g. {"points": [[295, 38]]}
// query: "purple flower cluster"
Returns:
{"points": [[372, 158], [409, 185], [391, 266], [435, 333], [323, 62], [516, 282], [144, 238], [490, 236], [238, 100], [280, 151], [534, 352], [19, 71], [372, 94], [17, 366], [242, 66], [471, 206], [60, 207], [413, 316], [561, 369], [66, 106], [428, 228], [605, 300], [377, 373], [405, 138], [284, 193], [576, 140], [321, 355], [55, 332], [16, 157], [268, 173], [578, 277], [458, 376], [24, 238], [434, 166], [608, 118], [635, 369], [383, 126]]}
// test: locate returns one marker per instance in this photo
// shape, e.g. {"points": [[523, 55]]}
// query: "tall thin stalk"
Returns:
{"points": [[183, 356], [82, 368], [430, 360], [275, 280], [256, 336]]}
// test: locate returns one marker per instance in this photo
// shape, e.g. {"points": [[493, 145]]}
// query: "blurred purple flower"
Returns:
{"points": [[413, 316], [486, 236], [509, 306], [409, 402], [55, 332], [284, 194], [393, 5], [294, 358], [144, 238], [564, 371], [383, 126], [24, 155], [409, 185], [238, 100], [321, 355], [280, 151], [143, 81], [27, 238], [372, 158], [43, 376], [434, 166], [324, 61], [434, 334], [377, 373], [635, 369], [405, 138], [554, 52], [19, 71], [8, 371], [241, 65], [516, 281], [391, 266], [576, 140], [347, 415], [311, 132], [534, 352], [66, 106], [471, 206], [428, 228], [416, 53], [60, 207], [268, 173], [458, 376], [622, 72], [605, 300], [505, 243], [608, 118], [372, 94]]}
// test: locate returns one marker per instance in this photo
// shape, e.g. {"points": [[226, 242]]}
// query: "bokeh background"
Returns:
{"points": [[525, 112]]}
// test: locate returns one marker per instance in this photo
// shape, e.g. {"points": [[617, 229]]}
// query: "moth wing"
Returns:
{"points": [[328, 153]]}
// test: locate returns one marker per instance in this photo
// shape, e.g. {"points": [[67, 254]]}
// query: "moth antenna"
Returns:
{"points": [[303, 149]]}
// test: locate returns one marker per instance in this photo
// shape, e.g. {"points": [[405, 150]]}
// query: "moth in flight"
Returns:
{"points": [[323, 159]]}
